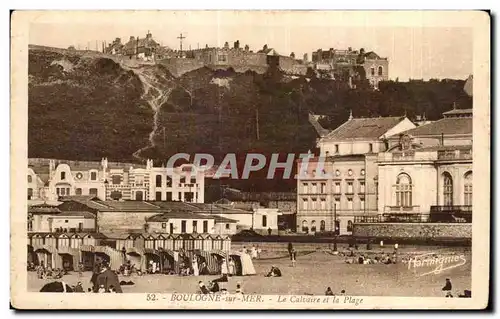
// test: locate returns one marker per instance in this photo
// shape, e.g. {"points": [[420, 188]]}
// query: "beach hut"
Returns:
{"points": [[139, 240], [187, 242], [50, 240], [46, 255], [109, 255], [170, 242], [210, 261], [170, 260], [136, 257], [243, 263], [217, 242], [226, 243], [178, 242], [37, 240], [63, 241], [75, 241], [215, 261], [198, 242], [153, 255], [87, 254], [93, 239], [207, 242], [149, 241], [160, 241]]}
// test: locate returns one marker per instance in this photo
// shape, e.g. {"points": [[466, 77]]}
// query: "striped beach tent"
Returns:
{"points": [[169, 261], [170, 241], [217, 242], [160, 241], [217, 256]]}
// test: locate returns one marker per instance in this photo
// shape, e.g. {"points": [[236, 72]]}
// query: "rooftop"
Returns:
{"points": [[368, 128], [43, 209], [85, 215], [446, 126], [124, 206]]}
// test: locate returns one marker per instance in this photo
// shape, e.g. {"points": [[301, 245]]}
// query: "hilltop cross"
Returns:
{"points": [[181, 38]]}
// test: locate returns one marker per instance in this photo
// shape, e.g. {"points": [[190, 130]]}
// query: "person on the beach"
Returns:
{"points": [[232, 267], [447, 288], [196, 271], [290, 247], [213, 286], [253, 252], [293, 256], [274, 272], [239, 290], [328, 292], [203, 289]]}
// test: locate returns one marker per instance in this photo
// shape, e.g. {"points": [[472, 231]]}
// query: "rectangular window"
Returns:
{"points": [[63, 191], [227, 226], [336, 148], [468, 194], [304, 203], [372, 71], [169, 196], [183, 180], [63, 176], [323, 203], [188, 197], [158, 196], [349, 203], [337, 187], [205, 226], [93, 176], [164, 225], [323, 188], [78, 191], [93, 191], [349, 188], [304, 188], [57, 191], [264, 221], [362, 203], [362, 187], [171, 228], [30, 193], [314, 188], [195, 226], [337, 203], [193, 180], [370, 148], [66, 221], [179, 196], [183, 226], [80, 226], [313, 203]]}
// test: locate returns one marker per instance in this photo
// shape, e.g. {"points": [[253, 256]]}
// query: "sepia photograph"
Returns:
{"points": [[250, 159]]}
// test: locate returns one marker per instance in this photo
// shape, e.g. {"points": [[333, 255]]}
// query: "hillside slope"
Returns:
{"points": [[86, 108]]}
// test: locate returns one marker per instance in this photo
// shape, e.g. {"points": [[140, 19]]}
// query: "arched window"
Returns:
{"points": [[169, 181], [322, 225], [349, 225], [468, 189], [305, 227], [30, 179], [158, 180], [380, 71], [403, 190], [447, 189], [313, 226]]}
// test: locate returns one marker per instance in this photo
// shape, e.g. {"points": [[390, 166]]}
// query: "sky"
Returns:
{"points": [[416, 50]]}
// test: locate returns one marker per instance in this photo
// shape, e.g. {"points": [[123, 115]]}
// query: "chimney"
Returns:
{"points": [[292, 55], [237, 44], [264, 47], [305, 57], [118, 40], [349, 49], [149, 35], [247, 48], [226, 45], [132, 38]]}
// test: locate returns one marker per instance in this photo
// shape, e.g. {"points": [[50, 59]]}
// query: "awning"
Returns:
{"points": [[134, 250], [48, 248], [100, 249], [68, 250], [151, 251], [219, 253]]}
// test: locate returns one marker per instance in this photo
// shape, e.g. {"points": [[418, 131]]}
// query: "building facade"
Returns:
{"points": [[427, 172], [342, 182], [114, 181]]}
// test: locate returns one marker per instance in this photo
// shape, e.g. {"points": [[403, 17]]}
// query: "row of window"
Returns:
{"points": [[314, 204], [313, 189], [350, 172], [184, 224], [404, 190], [337, 149], [379, 73], [322, 226]]}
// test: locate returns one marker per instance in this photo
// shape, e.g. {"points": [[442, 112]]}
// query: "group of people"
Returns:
{"points": [[104, 279], [448, 287], [254, 251], [329, 292], [47, 272], [213, 288], [364, 260], [197, 266]]}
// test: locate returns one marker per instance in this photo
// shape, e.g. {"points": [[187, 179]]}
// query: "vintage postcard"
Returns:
{"points": [[250, 160]]}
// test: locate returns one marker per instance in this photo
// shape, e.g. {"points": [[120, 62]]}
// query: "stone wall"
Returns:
{"points": [[413, 230], [178, 66]]}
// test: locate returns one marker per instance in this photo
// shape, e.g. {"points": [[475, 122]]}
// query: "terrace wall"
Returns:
{"points": [[413, 230]]}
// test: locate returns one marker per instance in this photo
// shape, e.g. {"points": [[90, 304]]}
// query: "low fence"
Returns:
{"points": [[416, 231], [433, 217]]}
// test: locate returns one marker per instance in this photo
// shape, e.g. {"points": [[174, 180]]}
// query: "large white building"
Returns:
{"points": [[427, 171], [52, 179], [350, 161]]}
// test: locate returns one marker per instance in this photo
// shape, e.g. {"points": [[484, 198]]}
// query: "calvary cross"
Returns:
{"points": [[181, 38]]}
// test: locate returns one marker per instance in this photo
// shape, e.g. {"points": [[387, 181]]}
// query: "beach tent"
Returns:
{"points": [[169, 260], [56, 286], [217, 242], [136, 257], [149, 241], [76, 241], [154, 255], [215, 262], [70, 257], [170, 242], [113, 257], [243, 263]]}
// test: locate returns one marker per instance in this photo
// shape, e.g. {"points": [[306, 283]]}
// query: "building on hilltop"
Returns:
{"points": [[141, 48], [376, 69]]}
